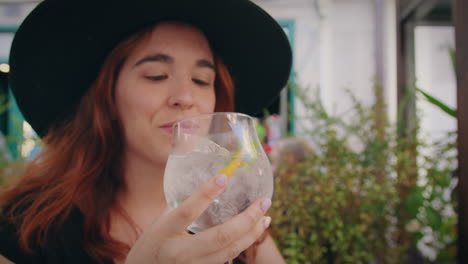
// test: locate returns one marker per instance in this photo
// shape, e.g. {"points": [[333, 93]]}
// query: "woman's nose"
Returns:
{"points": [[181, 95]]}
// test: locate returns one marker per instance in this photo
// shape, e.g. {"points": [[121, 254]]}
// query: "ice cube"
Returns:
{"points": [[205, 145]]}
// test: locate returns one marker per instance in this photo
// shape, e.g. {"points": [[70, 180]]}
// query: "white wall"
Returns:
{"points": [[435, 75], [5, 43], [390, 58], [349, 52], [307, 59], [11, 16], [334, 49]]}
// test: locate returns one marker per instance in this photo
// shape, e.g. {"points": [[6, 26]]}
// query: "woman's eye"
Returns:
{"points": [[200, 82], [156, 77]]}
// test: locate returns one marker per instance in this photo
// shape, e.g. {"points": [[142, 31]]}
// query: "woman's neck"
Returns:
{"points": [[142, 197]]}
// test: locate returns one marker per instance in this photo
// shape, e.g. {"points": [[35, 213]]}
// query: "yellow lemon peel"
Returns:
{"points": [[231, 167]]}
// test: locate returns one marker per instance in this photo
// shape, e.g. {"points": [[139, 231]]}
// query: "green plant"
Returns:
{"points": [[437, 102], [5, 156], [12, 160], [431, 203], [359, 195]]}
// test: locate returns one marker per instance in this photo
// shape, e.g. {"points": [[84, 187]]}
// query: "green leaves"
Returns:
{"points": [[434, 218], [356, 198], [431, 99], [414, 201]]}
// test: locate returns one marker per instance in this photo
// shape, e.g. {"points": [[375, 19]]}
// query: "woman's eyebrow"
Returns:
{"points": [[206, 63], [156, 58], [164, 58]]}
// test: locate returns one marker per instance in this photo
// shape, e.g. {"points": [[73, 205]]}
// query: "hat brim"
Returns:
{"points": [[58, 50]]}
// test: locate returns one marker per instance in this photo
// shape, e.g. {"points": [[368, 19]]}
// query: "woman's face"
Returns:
{"points": [[167, 78]]}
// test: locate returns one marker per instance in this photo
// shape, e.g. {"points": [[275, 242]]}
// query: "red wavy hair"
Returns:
{"points": [[79, 165]]}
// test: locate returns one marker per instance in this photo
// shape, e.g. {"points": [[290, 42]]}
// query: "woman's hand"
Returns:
{"points": [[167, 240]]}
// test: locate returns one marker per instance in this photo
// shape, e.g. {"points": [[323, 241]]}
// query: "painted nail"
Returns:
{"points": [[266, 204], [266, 222], [221, 180]]}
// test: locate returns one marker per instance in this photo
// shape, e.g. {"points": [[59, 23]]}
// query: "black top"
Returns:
{"points": [[65, 248]]}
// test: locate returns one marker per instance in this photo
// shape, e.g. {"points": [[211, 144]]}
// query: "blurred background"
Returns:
{"points": [[363, 138]]}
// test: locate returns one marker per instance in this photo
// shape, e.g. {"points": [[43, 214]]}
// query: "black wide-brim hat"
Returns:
{"points": [[60, 47]]}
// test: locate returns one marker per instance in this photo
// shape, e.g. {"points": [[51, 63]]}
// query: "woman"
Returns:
{"points": [[102, 85]]}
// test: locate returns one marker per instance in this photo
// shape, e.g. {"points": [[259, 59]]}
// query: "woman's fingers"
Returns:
{"points": [[236, 228], [235, 248], [167, 241], [180, 218]]}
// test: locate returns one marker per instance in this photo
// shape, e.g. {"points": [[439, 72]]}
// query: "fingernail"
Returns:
{"points": [[266, 204], [221, 180], [267, 222]]}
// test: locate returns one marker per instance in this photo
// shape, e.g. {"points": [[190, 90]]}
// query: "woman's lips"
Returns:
{"points": [[167, 127], [187, 127]]}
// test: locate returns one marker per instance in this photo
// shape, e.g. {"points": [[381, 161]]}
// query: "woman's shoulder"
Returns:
{"points": [[63, 247], [9, 243]]}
